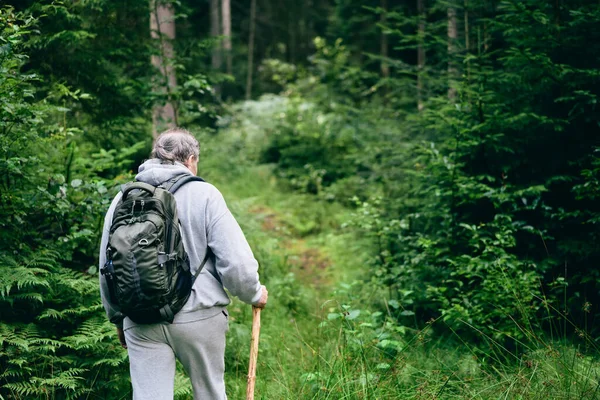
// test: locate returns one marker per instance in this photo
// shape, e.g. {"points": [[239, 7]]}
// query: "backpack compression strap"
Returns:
{"points": [[201, 267]]}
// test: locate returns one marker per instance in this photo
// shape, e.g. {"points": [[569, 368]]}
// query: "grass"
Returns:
{"points": [[328, 334]]}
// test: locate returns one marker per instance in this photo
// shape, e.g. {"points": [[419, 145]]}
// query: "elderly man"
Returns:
{"points": [[197, 335]]}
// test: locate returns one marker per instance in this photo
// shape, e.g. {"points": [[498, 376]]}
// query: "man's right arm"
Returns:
{"points": [[235, 262]]}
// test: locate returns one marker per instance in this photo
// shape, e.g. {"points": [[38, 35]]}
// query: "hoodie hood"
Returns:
{"points": [[154, 172]]}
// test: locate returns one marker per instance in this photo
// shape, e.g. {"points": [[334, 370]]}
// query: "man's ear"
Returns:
{"points": [[189, 160]]}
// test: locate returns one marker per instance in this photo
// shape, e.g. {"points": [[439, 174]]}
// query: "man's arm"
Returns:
{"points": [[235, 262]]}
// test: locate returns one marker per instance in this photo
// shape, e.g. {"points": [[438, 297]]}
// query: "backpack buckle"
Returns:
{"points": [[163, 257]]}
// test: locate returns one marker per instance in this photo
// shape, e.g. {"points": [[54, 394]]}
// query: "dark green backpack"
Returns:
{"points": [[147, 268]]}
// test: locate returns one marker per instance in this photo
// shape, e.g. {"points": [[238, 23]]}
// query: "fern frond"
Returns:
{"points": [[28, 273], [21, 364], [80, 283], [51, 313], [46, 259], [37, 297], [90, 333], [111, 362], [182, 388], [25, 389], [46, 345], [19, 277], [19, 336]]}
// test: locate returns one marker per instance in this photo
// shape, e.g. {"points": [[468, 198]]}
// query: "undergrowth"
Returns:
{"points": [[329, 333]]}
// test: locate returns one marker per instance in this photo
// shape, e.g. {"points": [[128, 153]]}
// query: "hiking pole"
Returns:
{"points": [[253, 352]]}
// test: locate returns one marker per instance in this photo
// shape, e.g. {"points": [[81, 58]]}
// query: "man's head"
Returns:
{"points": [[177, 144]]}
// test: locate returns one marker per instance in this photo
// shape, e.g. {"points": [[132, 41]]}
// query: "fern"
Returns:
{"points": [[15, 276], [56, 341], [74, 281], [50, 313], [18, 336], [182, 388]]}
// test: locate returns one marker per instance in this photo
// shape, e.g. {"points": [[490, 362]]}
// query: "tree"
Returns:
{"points": [[420, 53], [215, 31], [226, 22], [452, 36], [162, 28], [385, 68], [251, 50]]}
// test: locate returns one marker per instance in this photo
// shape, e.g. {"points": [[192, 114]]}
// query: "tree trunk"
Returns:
{"points": [[452, 36], [420, 54], [226, 14], [385, 68], [251, 50], [293, 33], [162, 28], [310, 32], [467, 40], [215, 31]]}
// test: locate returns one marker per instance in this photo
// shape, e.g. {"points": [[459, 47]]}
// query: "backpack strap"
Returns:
{"points": [[174, 184], [201, 267]]}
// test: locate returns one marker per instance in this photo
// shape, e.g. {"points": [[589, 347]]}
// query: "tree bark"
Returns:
{"points": [[215, 31], [226, 22], [467, 40], [162, 28], [452, 36], [292, 33], [310, 32], [385, 68], [251, 50], [420, 54]]}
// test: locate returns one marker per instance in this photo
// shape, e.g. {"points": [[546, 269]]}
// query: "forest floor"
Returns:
{"points": [[327, 334], [303, 254], [313, 266]]}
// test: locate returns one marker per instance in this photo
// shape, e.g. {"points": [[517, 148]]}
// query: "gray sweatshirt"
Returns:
{"points": [[205, 221]]}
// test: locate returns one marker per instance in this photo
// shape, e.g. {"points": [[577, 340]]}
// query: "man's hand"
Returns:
{"points": [[121, 336], [263, 298]]}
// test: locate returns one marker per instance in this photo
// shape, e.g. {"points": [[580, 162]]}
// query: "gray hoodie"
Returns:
{"points": [[205, 221]]}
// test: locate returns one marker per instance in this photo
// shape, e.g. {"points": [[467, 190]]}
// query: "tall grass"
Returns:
{"points": [[325, 338]]}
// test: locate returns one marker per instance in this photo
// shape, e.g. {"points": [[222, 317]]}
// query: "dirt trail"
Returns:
{"points": [[309, 264]]}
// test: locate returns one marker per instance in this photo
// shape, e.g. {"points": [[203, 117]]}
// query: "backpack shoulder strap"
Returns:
{"points": [[174, 184]]}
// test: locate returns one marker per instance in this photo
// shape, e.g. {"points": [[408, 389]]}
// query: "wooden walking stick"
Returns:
{"points": [[253, 352]]}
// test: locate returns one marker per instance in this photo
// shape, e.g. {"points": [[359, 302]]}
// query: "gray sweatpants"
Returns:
{"points": [[199, 346]]}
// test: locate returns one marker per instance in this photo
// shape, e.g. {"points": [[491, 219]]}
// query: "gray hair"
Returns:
{"points": [[175, 144]]}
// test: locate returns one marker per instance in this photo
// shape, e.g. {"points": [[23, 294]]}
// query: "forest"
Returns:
{"points": [[418, 179]]}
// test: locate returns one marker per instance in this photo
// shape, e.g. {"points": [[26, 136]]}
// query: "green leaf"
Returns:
{"points": [[353, 314]]}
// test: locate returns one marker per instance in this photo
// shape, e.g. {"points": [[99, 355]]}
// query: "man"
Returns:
{"points": [[197, 335]]}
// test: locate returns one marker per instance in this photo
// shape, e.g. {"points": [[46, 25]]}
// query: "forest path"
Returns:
{"points": [[304, 255], [308, 234], [306, 260]]}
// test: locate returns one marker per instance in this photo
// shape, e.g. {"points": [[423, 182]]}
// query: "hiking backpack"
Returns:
{"points": [[147, 268]]}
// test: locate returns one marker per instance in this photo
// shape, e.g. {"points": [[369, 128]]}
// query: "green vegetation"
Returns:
{"points": [[344, 333], [419, 183]]}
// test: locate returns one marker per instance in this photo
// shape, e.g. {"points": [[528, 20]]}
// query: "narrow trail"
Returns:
{"points": [[308, 262], [305, 256]]}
